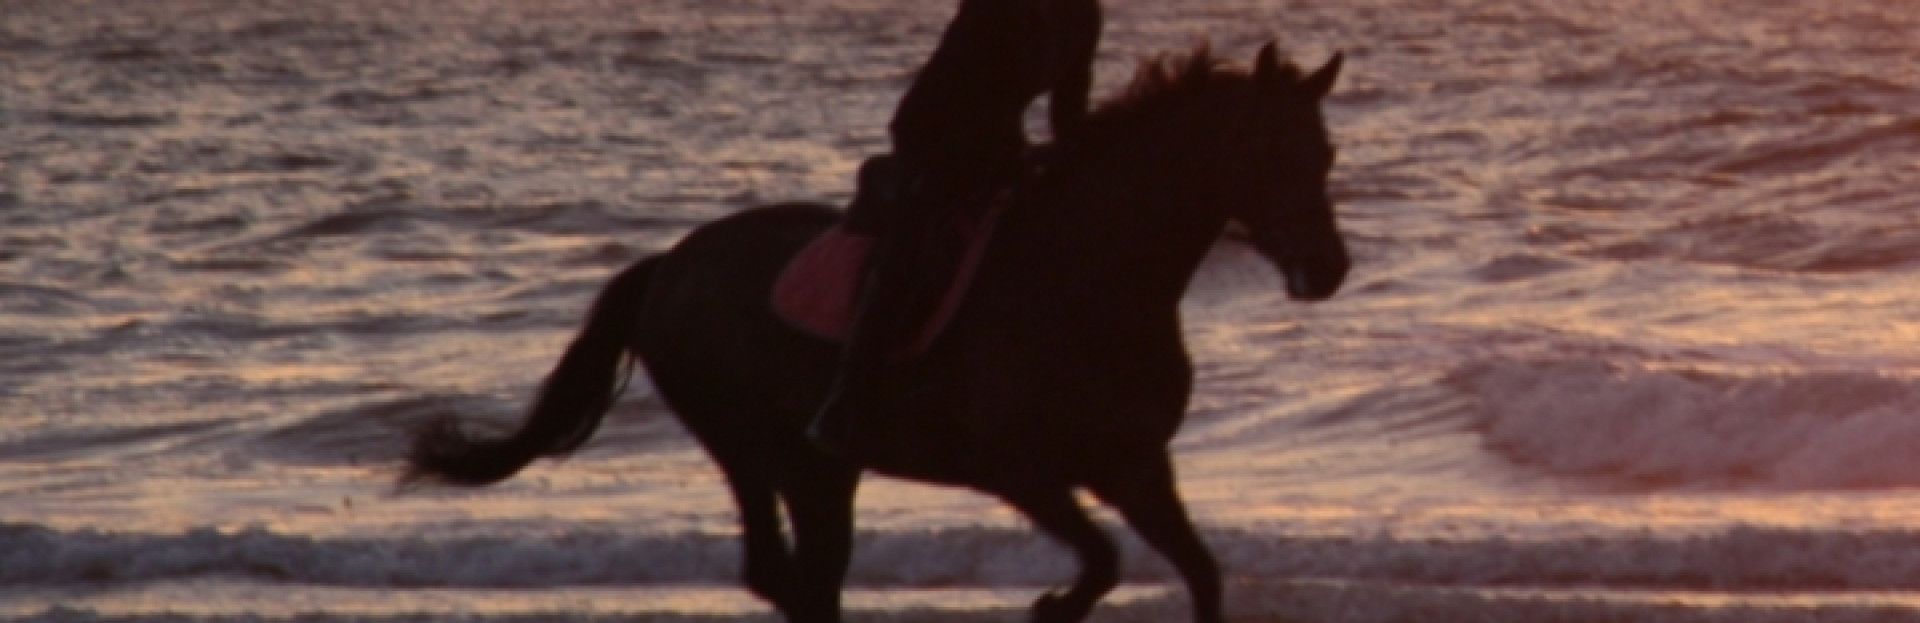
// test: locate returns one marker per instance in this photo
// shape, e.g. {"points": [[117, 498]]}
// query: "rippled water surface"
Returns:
{"points": [[1633, 334]]}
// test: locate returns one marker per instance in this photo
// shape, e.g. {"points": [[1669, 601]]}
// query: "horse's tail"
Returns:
{"points": [[576, 395]]}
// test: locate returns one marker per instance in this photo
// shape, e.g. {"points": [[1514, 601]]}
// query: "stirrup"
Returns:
{"points": [[833, 428]]}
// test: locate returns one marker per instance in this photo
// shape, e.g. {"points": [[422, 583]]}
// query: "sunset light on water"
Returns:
{"points": [[1632, 331]]}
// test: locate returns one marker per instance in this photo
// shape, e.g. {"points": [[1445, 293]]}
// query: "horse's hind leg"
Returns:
{"points": [[767, 568], [1147, 498], [1054, 511], [819, 498]]}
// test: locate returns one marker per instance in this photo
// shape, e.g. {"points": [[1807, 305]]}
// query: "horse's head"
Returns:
{"points": [[1197, 143], [1281, 191]]}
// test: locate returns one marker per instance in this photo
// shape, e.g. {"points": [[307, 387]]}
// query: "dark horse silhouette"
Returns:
{"points": [[1064, 369]]}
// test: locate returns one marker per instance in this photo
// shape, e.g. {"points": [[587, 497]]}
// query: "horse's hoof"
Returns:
{"points": [[1055, 608]]}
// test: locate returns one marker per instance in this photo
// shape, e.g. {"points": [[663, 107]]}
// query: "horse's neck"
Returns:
{"points": [[1121, 227]]}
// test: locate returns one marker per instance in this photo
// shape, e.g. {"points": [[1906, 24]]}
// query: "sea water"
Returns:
{"points": [[1633, 332]]}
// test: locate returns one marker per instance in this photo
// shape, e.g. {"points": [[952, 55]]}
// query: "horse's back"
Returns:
{"points": [[738, 255], [708, 334]]}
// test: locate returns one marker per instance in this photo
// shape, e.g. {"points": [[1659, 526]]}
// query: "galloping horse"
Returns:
{"points": [[1064, 368]]}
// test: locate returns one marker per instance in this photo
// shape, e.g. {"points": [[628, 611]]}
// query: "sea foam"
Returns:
{"points": [[1684, 427], [1742, 558]]}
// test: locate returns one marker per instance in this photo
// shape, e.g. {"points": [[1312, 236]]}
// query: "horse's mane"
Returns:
{"points": [[1161, 83]]}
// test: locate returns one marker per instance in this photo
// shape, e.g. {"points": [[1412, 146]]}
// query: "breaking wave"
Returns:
{"points": [[1684, 427]]}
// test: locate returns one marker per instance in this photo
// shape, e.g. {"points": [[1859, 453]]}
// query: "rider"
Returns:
{"points": [[958, 138]]}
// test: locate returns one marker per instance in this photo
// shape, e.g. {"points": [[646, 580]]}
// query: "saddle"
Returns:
{"points": [[818, 290]]}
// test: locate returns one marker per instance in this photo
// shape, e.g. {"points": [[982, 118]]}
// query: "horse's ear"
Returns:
{"points": [[1266, 66], [1321, 82]]}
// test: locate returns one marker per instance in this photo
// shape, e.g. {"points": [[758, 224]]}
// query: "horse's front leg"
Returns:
{"points": [[1148, 499], [1054, 510]]}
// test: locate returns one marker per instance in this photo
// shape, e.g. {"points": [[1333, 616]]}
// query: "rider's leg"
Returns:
{"points": [[880, 319], [905, 276]]}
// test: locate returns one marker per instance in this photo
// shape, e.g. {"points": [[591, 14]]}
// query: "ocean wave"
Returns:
{"points": [[1774, 242], [1683, 427], [377, 429], [1799, 154], [79, 444], [107, 119], [34, 299], [1740, 558], [1519, 266]]}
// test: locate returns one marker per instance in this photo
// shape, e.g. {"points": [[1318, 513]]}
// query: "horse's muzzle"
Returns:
{"points": [[1314, 277]]}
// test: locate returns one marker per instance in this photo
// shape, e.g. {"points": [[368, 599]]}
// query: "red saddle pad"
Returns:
{"points": [[816, 292]]}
